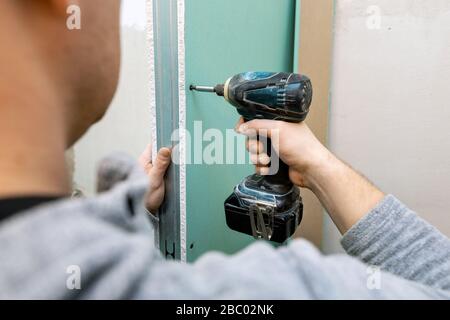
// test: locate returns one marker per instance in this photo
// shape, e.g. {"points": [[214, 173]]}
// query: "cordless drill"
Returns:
{"points": [[266, 207]]}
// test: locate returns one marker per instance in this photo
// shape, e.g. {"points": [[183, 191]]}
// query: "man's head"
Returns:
{"points": [[79, 66]]}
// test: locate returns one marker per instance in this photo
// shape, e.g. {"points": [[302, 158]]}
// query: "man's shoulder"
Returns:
{"points": [[37, 246], [117, 207]]}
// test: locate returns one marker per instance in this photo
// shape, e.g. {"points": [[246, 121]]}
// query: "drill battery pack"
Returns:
{"points": [[272, 215]]}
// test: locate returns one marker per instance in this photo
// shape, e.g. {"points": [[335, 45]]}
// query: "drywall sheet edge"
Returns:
{"points": [[182, 124], [151, 81]]}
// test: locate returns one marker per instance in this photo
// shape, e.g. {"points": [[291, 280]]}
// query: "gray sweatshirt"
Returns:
{"points": [[103, 248]]}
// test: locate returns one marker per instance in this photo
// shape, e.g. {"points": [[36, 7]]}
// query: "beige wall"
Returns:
{"points": [[390, 106], [315, 53]]}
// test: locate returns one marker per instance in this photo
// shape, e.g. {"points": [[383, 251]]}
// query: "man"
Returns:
{"points": [[55, 83]]}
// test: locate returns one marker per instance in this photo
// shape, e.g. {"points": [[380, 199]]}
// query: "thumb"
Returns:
{"points": [[162, 161], [264, 128]]}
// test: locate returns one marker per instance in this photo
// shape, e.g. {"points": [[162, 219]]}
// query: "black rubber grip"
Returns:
{"points": [[280, 176]]}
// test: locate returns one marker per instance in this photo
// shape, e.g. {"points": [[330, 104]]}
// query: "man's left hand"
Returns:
{"points": [[156, 172]]}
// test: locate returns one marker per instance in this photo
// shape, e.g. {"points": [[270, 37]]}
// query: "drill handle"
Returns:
{"points": [[278, 175]]}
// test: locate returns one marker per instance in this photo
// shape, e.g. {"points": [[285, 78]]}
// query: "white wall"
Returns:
{"points": [[390, 110], [126, 126]]}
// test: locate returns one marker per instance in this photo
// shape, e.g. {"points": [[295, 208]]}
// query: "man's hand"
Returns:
{"points": [[296, 145], [346, 195], [155, 172]]}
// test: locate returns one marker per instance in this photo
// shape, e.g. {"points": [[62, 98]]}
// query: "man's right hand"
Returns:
{"points": [[296, 145], [346, 195]]}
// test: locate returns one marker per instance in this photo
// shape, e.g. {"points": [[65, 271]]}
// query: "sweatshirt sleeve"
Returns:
{"points": [[109, 241], [397, 240], [298, 271]]}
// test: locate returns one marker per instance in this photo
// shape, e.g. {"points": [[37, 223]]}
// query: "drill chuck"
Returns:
{"points": [[219, 89]]}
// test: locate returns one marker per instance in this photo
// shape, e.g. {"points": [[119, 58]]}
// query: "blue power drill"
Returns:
{"points": [[266, 207]]}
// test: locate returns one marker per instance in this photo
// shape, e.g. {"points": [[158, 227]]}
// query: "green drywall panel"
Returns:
{"points": [[225, 37]]}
